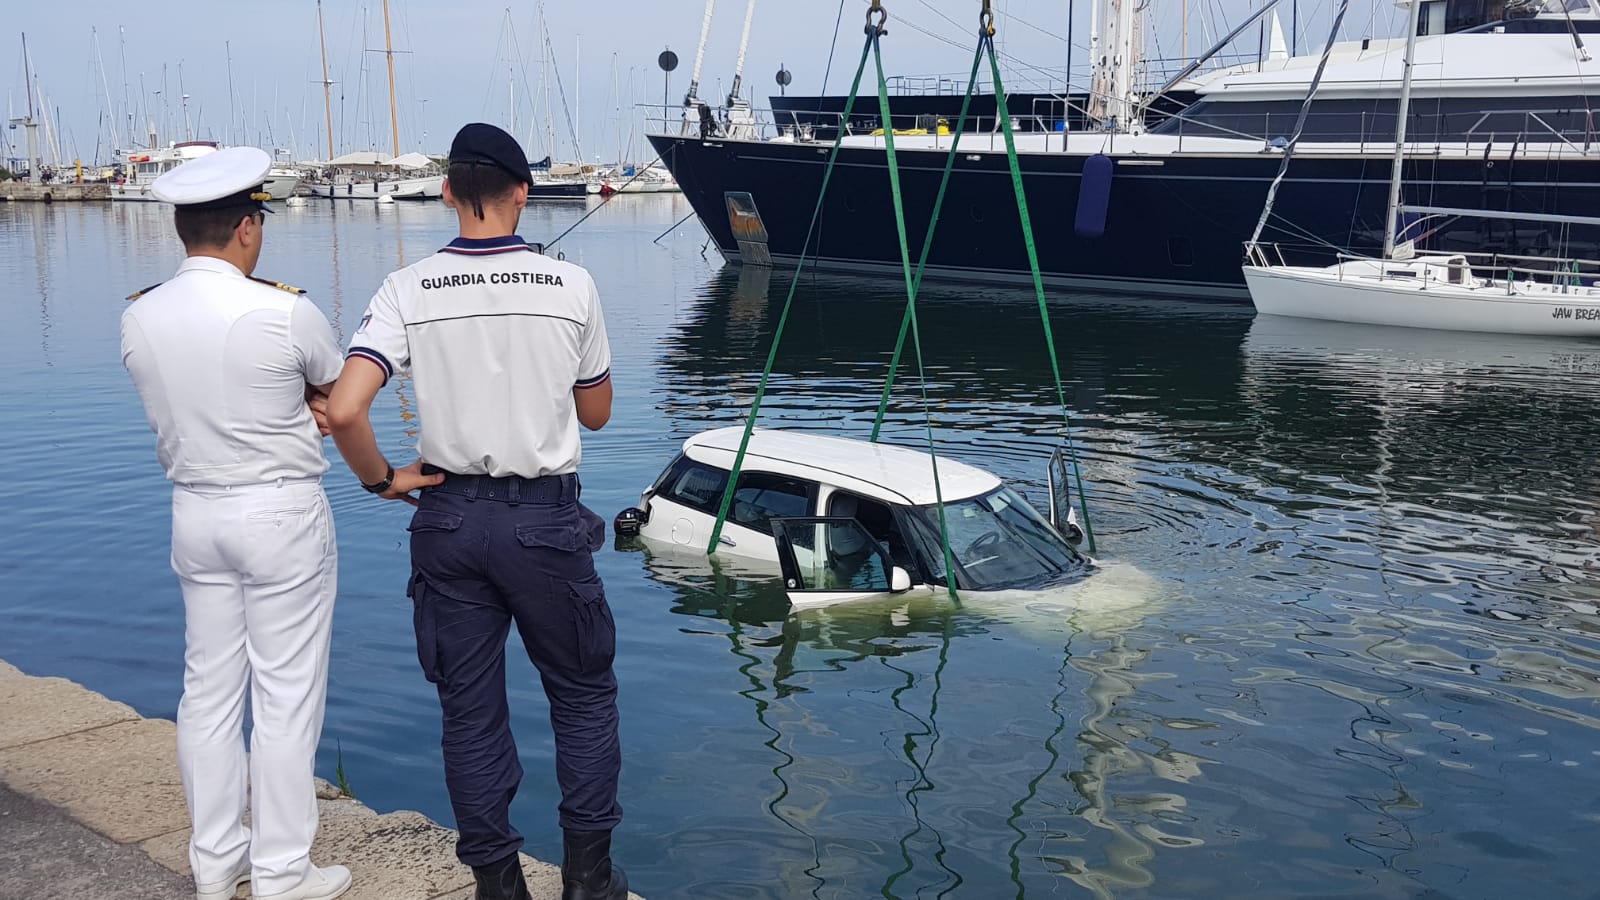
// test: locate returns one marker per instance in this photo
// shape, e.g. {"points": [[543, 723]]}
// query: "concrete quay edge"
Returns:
{"points": [[100, 764]]}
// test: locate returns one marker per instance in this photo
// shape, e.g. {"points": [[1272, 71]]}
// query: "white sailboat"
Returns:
{"points": [[1454, 292], [366, 175]]}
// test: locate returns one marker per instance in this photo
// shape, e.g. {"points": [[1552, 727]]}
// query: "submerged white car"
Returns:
{"points": [[845, 519]]}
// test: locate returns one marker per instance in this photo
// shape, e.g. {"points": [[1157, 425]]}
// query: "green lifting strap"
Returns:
{"points": [[987, 40], [783, 318], [871, 48], [986, 47], [911, 312], [927, 243]]}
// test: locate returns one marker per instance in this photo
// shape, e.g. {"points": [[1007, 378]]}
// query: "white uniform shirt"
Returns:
{"points": [[496, 336], [222, 362]]}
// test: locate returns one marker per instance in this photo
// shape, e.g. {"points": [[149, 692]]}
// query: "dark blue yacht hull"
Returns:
{"points": [[1172, 225]]}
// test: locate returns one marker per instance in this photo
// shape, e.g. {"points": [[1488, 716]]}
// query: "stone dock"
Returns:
{"points": [[60, 192], [91, 808]]}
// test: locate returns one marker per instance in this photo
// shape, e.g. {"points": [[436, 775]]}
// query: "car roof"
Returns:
{"points": [[884, 472]]}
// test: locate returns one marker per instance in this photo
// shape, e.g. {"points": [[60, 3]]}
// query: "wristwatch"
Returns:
{"points": [[380, 487]]}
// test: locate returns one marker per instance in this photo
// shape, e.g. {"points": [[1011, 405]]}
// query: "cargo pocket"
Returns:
{"points": [[549, 536], [594, 528], [425, 621], [433, 520], [597, 630]]}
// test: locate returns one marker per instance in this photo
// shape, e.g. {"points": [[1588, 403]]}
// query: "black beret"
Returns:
{"points": [[485, 145]]}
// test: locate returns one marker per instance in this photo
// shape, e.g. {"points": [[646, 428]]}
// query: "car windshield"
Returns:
{"points": [[999, 541]]}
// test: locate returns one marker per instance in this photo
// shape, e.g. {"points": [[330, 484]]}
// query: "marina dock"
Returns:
{"points": [[67, 192], [93, 789]]}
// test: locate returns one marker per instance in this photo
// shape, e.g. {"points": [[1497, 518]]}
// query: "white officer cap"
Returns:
{"points": [[226, 178]]}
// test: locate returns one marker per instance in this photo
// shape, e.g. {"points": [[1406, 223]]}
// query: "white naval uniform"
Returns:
{"points": [[221, 362], [496, 336]]}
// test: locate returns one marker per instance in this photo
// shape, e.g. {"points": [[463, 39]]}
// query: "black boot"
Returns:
{"points": [[501, 880], [586, 869]]}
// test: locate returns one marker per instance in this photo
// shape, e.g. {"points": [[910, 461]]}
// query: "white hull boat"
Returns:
{"points": [[428, 187], [1438, 292], [143, 167], [281, 182], [1513, 295], [653, 180]]}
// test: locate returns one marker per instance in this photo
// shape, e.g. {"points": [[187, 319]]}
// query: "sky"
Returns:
{"points": [[459, 61]]}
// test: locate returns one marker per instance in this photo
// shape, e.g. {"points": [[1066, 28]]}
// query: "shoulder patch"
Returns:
{"points": [[140, 293], [276, 284]]}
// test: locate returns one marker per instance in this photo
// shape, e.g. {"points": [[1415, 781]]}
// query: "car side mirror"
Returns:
{"points": [[899, 581]]}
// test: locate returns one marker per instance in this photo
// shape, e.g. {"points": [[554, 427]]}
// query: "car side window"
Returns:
{"points": [[879, 522], [762, 497], [695, 485]]}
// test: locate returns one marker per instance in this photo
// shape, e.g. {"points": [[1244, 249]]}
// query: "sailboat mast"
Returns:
{"points": [[388, 52], [27, 74], [544, 79], [700, 54], [227, 47], [111, 109], [327, 97], [1403, 112], [744, 45]]}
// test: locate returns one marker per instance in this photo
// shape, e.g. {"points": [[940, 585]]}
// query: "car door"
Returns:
{"points": [[1063, 517], [829, 559]]}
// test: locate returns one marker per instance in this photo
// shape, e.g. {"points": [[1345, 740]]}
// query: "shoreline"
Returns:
{"points": [[98, 764]]}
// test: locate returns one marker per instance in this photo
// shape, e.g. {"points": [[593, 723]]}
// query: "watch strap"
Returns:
{"points": [[384, 485]]}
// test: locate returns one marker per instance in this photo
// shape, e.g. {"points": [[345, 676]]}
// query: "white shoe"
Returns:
{"points": [[225, 889], [322, 883]]}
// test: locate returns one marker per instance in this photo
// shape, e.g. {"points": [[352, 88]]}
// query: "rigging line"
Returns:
{"points": [[1300, 123], [603, 202], [494, 65], [566, 111], [927, 242], [916, 333], [783, 317], [986, 39], [827, 70], [674, 227]]}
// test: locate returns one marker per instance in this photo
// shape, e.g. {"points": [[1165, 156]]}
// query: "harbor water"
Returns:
{"points": [[1343, 640]]}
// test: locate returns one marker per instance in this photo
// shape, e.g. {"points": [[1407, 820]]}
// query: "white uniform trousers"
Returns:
{"points": [[259, 569]]}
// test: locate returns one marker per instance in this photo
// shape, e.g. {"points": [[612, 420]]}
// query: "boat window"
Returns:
{"points": [[1432, 119], [761, 497], [1555, 7], [998, 541]]}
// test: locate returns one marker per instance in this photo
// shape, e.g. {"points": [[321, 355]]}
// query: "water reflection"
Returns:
{"points": [[1368, 665], [846, 696]]}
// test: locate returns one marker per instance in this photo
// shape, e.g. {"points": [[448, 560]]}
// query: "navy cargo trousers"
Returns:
{"points": [[487, 553]]}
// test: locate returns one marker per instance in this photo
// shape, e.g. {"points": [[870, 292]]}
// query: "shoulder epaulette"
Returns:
{"points": [[140, 293], [276, 284]]}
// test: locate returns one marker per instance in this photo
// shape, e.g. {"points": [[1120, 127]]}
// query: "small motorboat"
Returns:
{"points": [[845, 520]]}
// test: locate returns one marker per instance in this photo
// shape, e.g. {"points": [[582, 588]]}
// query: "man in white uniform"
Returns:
{"points": [[225, 364], [508, 355]]}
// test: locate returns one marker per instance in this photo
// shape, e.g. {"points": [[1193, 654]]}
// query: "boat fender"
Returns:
{"points": [[1094, 197]]}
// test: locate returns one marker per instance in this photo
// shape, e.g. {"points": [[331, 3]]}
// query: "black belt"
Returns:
{"points": [[508, 489]]}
